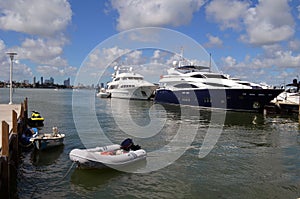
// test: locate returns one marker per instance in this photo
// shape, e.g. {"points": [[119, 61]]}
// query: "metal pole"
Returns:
{"points": [[11, 55]]}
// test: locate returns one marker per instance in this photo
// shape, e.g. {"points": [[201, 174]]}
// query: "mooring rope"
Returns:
{"points": [[57, 181], [68, 171]]}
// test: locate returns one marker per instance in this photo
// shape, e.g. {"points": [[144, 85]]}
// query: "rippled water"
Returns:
{"points": [[254, 157]]}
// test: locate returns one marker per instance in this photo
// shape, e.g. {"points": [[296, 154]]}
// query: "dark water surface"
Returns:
{"points": [[255, 156]]}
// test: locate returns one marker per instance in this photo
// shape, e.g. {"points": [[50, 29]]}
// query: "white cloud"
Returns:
{"points": [[228, 13], [214, 41], [272, 66], [294, 44], [266, 22], [229, 61], [2, 45], [142, 13], [63, 71], [20, 71], [38, 17], [269, 22], [298, 7], [43, 51], [45, 22]]}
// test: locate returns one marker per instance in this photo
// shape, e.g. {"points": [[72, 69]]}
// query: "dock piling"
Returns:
{"points": [[13, 122], [5, 135], [5, 160]]}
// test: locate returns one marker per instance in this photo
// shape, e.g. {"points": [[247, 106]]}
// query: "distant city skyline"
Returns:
{"points": [[51, 81]]}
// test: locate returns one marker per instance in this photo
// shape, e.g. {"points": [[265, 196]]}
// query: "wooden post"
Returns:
{"points": [[14, 121], [22, 111], [14, 139], [26, 108], [5, 135], [4, 162]]}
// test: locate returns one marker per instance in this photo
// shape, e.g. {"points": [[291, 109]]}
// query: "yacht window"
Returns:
{"points": [[117, 79], [218, 76], [197, 76], [215, 84], [113, 87], [185, 86], [245, 83]]}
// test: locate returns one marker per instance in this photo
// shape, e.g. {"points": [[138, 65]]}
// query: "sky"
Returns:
{"points": [[257, 40]]}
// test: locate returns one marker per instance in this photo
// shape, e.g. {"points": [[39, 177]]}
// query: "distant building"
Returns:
{"points": [[51, 80], [34, 80], [42, 80], [67, 82]]}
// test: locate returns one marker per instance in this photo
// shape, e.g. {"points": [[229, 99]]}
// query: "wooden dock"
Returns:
{"points": [[6, 114], [13, 121]]}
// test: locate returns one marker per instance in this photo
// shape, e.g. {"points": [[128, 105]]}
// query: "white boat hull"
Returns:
{"points": [[103, 94], [141, 93], [94, 158], [45, 141], [287, 98]]}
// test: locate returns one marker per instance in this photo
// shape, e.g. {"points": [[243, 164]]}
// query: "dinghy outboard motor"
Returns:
{"points": [[128, 144]]}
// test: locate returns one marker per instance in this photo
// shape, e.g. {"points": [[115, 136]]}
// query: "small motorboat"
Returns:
{"points": [[47, 140], [114, 156], [36, 120], [103, 93]]}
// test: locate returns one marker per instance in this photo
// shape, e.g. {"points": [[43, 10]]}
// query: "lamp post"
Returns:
{"points": [[11, 55]]}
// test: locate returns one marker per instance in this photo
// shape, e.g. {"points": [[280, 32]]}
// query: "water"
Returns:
{"points": [[254, 157]]}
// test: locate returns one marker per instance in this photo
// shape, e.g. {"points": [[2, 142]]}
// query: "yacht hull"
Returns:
{"points": [[252, 100], [140, 93]]}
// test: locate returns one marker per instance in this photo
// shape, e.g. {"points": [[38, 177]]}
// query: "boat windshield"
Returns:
{"points": [[215, 84], [197, 76], [132, 78], [216, 76], [186, 86]]}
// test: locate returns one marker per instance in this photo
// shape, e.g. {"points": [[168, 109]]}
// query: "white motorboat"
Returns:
{"points": [[47, 140], [103, 93], [129, 85], [114, 156], [188, 84], [289, 99]]}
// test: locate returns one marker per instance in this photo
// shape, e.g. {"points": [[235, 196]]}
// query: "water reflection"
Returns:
{"points": [[46, 157]]}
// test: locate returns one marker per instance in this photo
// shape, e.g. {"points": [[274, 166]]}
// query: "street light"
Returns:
{"points": [[11, 55]]}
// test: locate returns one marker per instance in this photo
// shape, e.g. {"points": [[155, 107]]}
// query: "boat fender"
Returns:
{"points": [[35, 132]]}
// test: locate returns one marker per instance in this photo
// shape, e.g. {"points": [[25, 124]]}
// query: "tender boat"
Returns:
{"points": [[47, 140], [103, 93], [188, 84], [36, 120], [127, 84], [112, 156], [289, 99]]}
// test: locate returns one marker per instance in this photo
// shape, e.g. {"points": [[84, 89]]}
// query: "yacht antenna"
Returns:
{"points": [[181, 52], [209, 62]]}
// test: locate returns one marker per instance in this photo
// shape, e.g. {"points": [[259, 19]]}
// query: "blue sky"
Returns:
{"points": [[254, 40]]}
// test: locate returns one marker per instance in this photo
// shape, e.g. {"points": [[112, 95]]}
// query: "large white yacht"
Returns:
{"points": [[187, 84], [129, 85]]}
